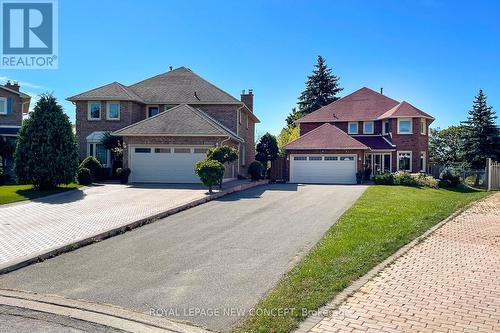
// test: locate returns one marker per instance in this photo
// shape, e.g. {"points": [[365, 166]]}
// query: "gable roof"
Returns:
{"points": [[363, 104], [404, 109], [326, 136], [21, 94], [181, 85], [111, 91], [181, 120]]}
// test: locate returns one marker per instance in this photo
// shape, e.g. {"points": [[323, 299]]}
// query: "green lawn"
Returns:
{"points": [[14, 193], [383, 219]]}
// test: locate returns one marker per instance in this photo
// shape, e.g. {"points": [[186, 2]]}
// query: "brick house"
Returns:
{"points": [[167, 123], [13, 105], [363, 130]]}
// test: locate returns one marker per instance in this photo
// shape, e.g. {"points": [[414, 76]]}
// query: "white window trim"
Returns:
{"points": [[404, 152], [94, 153], [349, 127], [4, 99], [364, 128], [423, 129], [424, 165], [411, 125], [89, 104], [108, 105], [151, 106], [383, 127]]}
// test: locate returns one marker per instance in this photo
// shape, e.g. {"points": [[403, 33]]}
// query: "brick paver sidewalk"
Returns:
{"points": [[448, 283], [36, 227]]}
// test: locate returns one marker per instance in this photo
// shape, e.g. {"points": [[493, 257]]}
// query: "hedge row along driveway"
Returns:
{"points": [[384, 219]]}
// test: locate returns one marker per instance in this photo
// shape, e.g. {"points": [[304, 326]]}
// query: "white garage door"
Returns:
{"points": [[327, 169], [164, 164]]}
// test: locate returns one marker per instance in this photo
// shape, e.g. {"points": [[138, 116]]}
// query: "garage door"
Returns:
{"points": [[327, 169], [165, 164]]}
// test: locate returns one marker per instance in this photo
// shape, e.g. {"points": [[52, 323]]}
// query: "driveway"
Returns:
{"points": [[450, 282], [202, 265], [31, 228]]}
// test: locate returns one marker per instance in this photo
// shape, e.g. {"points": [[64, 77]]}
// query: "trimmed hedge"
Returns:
{"points": [[83, 176], [406, 179], [256, 170]]}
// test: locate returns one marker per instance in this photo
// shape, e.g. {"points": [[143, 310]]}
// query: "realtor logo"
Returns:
{"points": [[29, 34]]}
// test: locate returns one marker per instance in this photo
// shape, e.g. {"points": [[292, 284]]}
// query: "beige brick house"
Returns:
{"points": [[167, 123], [363, 130]]}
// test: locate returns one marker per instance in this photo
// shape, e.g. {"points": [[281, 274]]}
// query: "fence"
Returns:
{"points": [[278, 170], [470, 177], [492, 175]]}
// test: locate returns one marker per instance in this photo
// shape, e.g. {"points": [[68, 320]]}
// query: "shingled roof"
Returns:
{"points": [[404, 109], [326, 136], [182, 120], [111, 91], [363, 104]]}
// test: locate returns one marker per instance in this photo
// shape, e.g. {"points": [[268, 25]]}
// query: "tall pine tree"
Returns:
{"points": [[482, 136], [322, 88]]}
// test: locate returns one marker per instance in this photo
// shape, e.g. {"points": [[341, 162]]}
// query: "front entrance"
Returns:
{"points": [[379, 162]]}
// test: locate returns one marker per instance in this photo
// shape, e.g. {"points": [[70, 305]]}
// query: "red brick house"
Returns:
{"points": [[363, 130], [167, 123]]}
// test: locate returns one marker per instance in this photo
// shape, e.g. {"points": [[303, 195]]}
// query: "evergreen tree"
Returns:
{"points": [[481, 140], [290, 119], [267, 149], [322, 88], [46, 153]]}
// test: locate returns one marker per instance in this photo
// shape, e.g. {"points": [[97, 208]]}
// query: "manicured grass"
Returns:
{"points": [[14, 193], [383, 219]]}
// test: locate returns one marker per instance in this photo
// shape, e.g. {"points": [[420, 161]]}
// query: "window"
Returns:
{"points": [[113, 110], [315, 158], [200, 150], [385, 127], [422, 161], [239, 116], [352, 128], [387, 163], [182, 150], [423, 126], [98, 151], [368, 127], [404, 161], [404, 126], [3, 105], [94, 111], [247, 121], [143, 150], [347, 158], [299, 158], [331, 158], [162, 150], [153, 111]]}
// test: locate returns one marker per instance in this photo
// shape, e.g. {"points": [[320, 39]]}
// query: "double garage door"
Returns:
{"points": [[323, 169], [156, 164]]}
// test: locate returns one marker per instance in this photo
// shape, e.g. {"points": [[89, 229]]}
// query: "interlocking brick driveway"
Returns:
{"points": [[47, 223], [448, 283]]}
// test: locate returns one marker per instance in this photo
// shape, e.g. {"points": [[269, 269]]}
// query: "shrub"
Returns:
{"points": [[255, 170], [224, 154], [83, 176], [94, 166], [209, 171], [123, 174], [385, 178], [405, 179], [449, 178], [2, 177], [46, 153]]}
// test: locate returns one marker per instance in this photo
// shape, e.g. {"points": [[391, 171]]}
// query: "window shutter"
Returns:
{"points": [[9, 105]]}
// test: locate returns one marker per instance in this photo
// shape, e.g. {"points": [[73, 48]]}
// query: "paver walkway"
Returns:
{"points": [[48, 223], [448, 283]]}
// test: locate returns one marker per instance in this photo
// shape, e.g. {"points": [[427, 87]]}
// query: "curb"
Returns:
{"points": [[341, 297], [41, 256], [101, 314]]}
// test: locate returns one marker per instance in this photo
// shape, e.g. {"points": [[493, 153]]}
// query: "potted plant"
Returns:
{"points": [[123, 174], [359, 177]]}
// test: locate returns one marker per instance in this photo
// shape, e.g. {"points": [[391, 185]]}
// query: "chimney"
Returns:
{"points": [[12, 85], [170, 67], [247, 98], [381, 91]]}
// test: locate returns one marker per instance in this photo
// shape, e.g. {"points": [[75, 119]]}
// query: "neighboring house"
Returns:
{"points": [[167, 122], [13, 105], [364, 130]]}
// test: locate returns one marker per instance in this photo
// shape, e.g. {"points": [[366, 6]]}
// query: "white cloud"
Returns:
{"points": [[4, 79]]}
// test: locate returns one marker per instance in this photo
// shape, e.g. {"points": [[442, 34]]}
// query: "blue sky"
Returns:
{"points": [[434, 54]]}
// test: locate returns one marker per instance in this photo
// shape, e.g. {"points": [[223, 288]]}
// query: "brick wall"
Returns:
{"points": [[15, 118], [414, 142]]}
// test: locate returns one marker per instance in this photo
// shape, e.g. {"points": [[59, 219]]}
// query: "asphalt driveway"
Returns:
{"points": [[207, 265]]}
